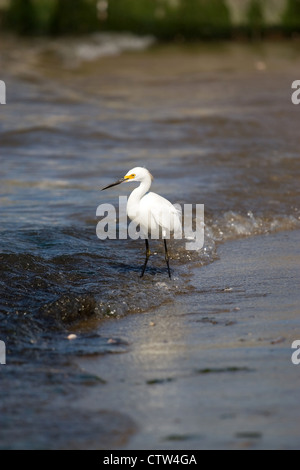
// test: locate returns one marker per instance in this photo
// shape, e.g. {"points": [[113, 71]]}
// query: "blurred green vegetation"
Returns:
{"points": [[209, 19], [73, 16], [255, 19], [22, 17], [131, 15], [165, 19], [291, 17], [192, 19]]}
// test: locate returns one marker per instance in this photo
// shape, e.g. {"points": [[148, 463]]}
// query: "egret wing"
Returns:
{"points": [[159, 213]]}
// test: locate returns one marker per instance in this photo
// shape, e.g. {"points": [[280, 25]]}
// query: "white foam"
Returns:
{"points": [[94, 47]]}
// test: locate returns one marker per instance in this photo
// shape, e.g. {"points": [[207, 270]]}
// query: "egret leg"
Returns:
{"points": [[147, 256], [167, 257]]}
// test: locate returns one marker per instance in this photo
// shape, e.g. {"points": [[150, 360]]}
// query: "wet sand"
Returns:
{"points": [[215, 125], [212, 371]]}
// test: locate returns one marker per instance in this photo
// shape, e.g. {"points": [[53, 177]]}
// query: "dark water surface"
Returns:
{"points": [[214, 124]]}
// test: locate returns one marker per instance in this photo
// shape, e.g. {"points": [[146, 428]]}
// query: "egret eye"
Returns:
{"points": [[133, 175]]}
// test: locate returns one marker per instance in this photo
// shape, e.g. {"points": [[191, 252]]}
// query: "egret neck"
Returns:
{"points": [[136, 196]]}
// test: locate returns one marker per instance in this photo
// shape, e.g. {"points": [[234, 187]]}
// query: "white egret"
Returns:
{"points": [[152, 212]]}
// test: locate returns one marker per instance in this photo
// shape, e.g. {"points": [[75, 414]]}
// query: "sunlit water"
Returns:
{"points": [[214, 125]]}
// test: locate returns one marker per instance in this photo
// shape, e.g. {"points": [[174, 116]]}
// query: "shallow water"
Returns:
{"points": [[214, 124], [213, 372]]}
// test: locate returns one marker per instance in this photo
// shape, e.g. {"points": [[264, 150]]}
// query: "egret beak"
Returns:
{"points": [[114, 184]]}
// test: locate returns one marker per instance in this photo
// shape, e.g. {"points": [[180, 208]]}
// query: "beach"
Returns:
{"points": [[95, 356], [213, 371]]}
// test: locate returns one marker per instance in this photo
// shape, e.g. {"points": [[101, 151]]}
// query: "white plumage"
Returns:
{"points": [[155, 215], [150, 210]]}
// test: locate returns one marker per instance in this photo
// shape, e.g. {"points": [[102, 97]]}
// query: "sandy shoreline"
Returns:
{"points": [[213, 370], [210, 368]]}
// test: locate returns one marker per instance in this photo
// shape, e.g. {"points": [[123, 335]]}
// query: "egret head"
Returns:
{"points": [[136, 174]]}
